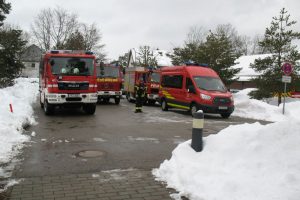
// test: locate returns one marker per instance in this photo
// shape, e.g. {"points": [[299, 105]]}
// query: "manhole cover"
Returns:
{"points": [[90, 154]]}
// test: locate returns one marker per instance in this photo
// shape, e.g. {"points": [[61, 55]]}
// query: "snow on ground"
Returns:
{"points": [[244, 162], [255, 109], [21, 96]]}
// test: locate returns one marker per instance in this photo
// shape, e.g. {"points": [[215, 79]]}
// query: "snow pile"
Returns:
{"points": [[255, 109], [245, 162], [20, 96]]}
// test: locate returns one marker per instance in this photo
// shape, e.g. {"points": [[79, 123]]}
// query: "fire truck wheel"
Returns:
{"points": [[105, 100], [225, 115], [151, 102], [48, 108], [89, 108], [42, 105], [194, 108], [128, 97], [164, 105], [117, 101]]}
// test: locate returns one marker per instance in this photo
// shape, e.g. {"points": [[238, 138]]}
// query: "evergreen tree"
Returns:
{"points": [[277, 40], [219, 53], [75, 42], [219, 50], [12, 45], [4, 10]]}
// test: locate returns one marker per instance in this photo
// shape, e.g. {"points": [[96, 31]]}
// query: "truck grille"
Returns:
{"points": [[73, 86], [154, 90], [221, 101], [106, 86]]}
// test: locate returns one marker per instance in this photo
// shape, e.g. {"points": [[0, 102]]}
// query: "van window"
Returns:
{"points": [[172, 81], [188, 83], [210, 83]]}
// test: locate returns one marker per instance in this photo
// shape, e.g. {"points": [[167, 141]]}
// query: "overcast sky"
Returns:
{"points": [[160, 24]]}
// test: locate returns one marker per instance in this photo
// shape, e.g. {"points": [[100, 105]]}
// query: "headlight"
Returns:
{"points": [[205, 97]]}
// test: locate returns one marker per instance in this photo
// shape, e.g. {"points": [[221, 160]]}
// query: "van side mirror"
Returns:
{"points": [[191, 89]]}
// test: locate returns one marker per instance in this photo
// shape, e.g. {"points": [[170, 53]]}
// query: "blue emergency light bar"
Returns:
{"points": [[71, 52]]}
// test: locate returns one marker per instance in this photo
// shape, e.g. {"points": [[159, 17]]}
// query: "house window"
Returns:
{"points": [[33, 65]]}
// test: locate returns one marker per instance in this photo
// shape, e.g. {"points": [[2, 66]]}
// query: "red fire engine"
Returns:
{"points": [[68, 78], [151, 79], [109, 82]]}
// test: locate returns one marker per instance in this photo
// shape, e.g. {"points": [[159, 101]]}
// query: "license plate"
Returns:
{"points": [[74, 95], [223, 108], [73, 85]]}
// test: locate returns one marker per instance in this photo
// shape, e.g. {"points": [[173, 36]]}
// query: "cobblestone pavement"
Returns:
{"points": [[106, 185]]}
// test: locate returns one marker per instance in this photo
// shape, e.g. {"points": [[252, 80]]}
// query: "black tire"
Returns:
{"points": [[105, 100], [128, 97], [193, 109], [117, 101], [164, 105], [42, 105], [89, 108], [48, 108], [225, 115], [151, 102]]}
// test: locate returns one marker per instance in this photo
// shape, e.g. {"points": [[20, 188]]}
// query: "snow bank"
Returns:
{"points": [[255, 109], [21, 96], [243, 162]]}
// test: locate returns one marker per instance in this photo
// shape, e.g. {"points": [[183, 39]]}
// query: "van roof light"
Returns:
{"points": [[54, 51], [89, 53]]}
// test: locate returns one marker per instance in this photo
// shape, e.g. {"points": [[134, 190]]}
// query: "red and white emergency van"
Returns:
{"points": [[194, 88], [109, 82], [68, 78]]}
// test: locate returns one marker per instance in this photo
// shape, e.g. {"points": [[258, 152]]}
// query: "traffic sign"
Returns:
{"points": [[287, 68], [286, 79]]}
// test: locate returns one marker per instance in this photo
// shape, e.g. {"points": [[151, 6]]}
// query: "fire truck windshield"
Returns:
{"points": [[209, 83], [73, 66], [108, 71], [155, 77]]}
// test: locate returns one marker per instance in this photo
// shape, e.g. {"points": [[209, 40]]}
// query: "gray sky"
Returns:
{"points": [[161, 24]]}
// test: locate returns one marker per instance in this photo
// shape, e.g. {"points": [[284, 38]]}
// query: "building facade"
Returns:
{"points": [[31, 59]]}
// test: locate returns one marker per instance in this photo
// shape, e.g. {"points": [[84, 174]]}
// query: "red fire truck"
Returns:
{"points": [[151, 78], [109, 82], [68, 79]]}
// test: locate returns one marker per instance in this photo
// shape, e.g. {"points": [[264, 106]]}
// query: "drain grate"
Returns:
{"points": [[90, 154]]}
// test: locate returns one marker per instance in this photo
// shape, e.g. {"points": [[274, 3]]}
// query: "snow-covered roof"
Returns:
{"points": [[244, 62], [163, 60]]}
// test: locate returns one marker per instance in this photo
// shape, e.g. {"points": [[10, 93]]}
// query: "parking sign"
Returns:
{"points": [[287, 68]]}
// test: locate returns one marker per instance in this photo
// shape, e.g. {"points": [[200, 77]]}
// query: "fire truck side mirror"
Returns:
{"points": [[52, 62]]}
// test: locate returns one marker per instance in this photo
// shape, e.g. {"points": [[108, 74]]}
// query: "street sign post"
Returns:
{"points": [[287, 70], [286, 79]]}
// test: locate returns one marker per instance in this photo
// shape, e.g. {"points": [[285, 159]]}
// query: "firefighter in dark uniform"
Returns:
{"points": [[140, 91]]}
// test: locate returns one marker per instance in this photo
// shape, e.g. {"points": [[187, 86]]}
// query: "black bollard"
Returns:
{"points": [[198, 122]]}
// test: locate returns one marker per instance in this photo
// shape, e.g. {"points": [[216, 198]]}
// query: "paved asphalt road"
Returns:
{"points": [[123, 139]]}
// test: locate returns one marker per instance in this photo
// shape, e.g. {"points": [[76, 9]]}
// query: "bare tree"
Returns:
{"points": [[196, 35], [239, 42], [52, 27], [145, 57], [92, 39]]}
